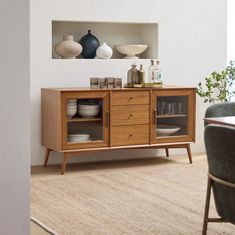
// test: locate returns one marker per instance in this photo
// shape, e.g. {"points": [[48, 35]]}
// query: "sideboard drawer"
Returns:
{"points": [[130, 135], [130, 115], [130, 97]]}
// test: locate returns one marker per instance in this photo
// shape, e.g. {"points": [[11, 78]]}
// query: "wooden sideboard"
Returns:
{"points": [[127, 118]]}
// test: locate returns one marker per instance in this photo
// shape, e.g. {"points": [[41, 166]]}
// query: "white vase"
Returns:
{"points": [[104, 51], [68, 48]]}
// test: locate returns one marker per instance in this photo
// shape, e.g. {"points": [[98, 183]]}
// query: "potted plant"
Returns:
{"points": [[219, 87]]}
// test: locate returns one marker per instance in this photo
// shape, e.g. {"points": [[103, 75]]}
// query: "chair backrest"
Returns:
{"points": [[220, 149], [221, 110]]}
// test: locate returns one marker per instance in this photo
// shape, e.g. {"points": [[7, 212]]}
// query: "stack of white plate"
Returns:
{"points": [[78, 137], [71, 107], [88, 110]]}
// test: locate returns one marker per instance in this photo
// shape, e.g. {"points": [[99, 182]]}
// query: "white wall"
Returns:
{"points": [[231, 31], [15, 118], [192, 43]]}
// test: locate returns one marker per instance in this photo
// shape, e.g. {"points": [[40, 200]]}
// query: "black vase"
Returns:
{"points": [[89, 45]]}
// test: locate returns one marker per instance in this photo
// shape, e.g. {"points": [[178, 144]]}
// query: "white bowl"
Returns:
{"points": [[131, 50], [72, 101], [71, 111], [88, 110], [166, 130]]}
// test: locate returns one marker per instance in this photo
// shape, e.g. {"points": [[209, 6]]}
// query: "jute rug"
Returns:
{"points": [[154, 196]]}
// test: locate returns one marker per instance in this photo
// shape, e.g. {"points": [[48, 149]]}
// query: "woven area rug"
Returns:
{"points": [[153, 196]]}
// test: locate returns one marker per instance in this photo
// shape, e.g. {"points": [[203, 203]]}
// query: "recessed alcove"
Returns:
{"points": [[113, 33]]}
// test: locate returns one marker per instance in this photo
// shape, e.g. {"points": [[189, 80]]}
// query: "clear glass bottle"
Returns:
{"points": [[159, 75], [152, 71]]}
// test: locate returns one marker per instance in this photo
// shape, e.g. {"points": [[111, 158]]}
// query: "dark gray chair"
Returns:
{"points": [[220, 150], [220, 110]]}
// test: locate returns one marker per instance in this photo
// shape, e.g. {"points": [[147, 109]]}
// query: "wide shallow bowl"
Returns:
{"points": [[88, 110], [131, 50], [166, 130]]}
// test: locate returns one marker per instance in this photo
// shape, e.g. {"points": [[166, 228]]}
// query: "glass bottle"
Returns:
{"points": [[152, 71], [159, 75], [142, 75]]}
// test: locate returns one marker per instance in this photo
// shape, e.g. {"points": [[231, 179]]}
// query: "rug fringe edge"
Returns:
{"points": [[43, 225]]}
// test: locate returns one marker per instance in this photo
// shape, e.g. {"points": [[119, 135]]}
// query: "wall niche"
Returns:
{"points": [[113, 33]]}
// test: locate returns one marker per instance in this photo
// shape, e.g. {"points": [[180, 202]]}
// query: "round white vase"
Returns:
{"points": [[68, 48], [104, 51]]}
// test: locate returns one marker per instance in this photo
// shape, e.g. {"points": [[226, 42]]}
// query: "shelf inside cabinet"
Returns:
{"points": [[80, 119], [171, 115], [113, 33]]}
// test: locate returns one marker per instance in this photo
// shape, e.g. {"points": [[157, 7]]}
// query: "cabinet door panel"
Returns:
{"points": [[173, 117], [130, 115], [85, 119]]}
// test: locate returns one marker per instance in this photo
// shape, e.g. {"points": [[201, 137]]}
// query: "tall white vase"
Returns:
{"points": [[104, 51], [68, 48]]}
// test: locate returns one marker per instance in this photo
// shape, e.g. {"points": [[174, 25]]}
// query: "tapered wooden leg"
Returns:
{"points": [[167, 152], [189, 153], [46, 156], [207, 206], [63, 165]]}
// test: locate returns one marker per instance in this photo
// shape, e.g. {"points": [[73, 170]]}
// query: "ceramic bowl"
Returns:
{"points": [[71, 111], [88, 110], [131, 50], [166, 130]]}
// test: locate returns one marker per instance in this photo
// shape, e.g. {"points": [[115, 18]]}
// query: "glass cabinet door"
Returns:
{"points": [[85, 119], [173, 114]]}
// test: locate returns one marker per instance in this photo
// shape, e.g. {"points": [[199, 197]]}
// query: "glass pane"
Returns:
{"points": [[172, 116], [84, 120]]}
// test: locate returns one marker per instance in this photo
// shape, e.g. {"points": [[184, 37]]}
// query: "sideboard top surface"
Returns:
{"points": [[165, 87]]}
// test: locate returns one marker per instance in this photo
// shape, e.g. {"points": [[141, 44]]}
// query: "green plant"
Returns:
{"points": [[219, 87]]}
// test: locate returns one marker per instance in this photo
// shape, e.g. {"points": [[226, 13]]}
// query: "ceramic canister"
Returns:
{"points": [[68, 48], [89, 44]]}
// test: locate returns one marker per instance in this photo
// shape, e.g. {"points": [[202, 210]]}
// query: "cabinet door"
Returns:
{"points": [[173, 117], [85, 119]]}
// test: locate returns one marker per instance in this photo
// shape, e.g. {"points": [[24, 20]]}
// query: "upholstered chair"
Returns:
{"points": [[221, 110], [220, 150]]}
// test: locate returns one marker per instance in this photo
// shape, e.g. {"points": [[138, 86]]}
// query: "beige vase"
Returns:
{"points": [[68, 48]]}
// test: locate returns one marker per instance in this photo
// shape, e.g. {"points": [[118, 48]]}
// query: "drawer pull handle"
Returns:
{"points": [[130, 98], [130, 135], [130, 116]]}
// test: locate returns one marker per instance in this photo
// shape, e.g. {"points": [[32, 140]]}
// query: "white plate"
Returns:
{"points": [[79, 141], [166, 130]]}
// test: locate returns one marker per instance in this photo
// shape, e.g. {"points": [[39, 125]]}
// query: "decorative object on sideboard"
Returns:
{"points": [[133, 77], [104, 51], [89, 44], [131, 50], [104, 83], [118, 83], [94, 83], [142, 75], [68, 48]]}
